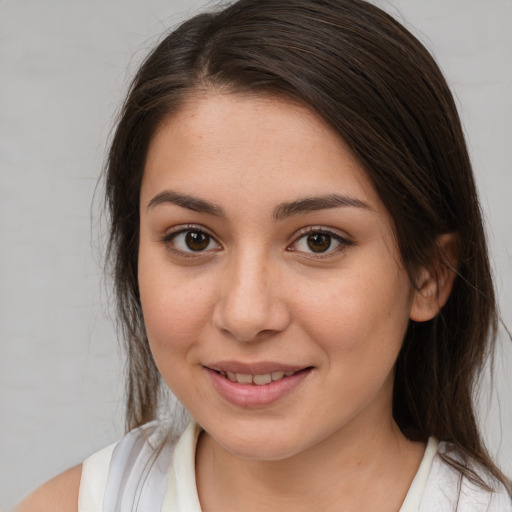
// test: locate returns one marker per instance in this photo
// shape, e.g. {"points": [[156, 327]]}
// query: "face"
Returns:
{"points": [[273, 293]]}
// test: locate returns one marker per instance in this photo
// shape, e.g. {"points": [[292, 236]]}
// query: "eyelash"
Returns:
{"points": [[343, 243]]}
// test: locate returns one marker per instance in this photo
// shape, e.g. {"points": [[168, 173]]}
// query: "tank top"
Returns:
{"points": [[150, 471]]}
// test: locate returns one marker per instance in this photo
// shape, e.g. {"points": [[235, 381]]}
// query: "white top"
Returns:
{"points": [[149, 472]]}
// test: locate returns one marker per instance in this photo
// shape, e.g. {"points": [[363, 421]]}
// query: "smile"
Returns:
{"points": [[261, 385], [258, 380]]}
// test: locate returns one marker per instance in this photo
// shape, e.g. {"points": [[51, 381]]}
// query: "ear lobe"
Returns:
{"points": [[436, 282]]}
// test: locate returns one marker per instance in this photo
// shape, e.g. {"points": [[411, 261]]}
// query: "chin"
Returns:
{"points": [[259, 442], [261, 450]]}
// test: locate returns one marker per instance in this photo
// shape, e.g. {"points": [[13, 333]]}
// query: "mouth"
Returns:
{"points": [[256, 385], [260, 379]]}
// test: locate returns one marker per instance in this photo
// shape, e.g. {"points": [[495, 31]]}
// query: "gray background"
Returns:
{"points": [[64, 67]]}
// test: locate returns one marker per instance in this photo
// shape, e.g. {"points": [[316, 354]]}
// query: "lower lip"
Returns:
{"points": [[252, 395]]}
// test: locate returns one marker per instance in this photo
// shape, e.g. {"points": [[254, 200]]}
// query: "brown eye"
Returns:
{"points": [[191, 240], [197, 240], [319, 242]]}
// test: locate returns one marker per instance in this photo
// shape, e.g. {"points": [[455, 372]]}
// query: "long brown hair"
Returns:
{"points": [[382, 92]]}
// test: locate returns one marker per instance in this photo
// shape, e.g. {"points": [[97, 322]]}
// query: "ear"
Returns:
{"points": [[435, 283]]}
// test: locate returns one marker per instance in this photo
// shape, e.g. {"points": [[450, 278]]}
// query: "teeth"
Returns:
{"points": [[259, 380], [242, 378]]}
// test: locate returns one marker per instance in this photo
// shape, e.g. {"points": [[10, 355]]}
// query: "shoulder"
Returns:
{"points": [[60, 494], [105, 473]]}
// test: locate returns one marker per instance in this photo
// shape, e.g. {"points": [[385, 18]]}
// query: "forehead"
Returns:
{"points": [[264, 148]]}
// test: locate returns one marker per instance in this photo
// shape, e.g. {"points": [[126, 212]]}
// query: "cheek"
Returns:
{"points": [[168, 321], [175, 305], [361, 314]]}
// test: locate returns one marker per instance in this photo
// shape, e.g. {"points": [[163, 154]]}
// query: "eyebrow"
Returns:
{"points": [[311, 204], [185, 201], [282, 210]]}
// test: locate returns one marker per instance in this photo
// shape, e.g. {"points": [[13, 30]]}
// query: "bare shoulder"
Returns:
{"points": [[60, 494]]}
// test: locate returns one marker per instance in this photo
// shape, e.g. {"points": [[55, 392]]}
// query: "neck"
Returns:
{"points": [[357, 466]]}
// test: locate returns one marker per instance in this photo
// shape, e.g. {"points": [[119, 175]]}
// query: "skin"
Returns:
{"points": [[58, 494], [257, 292]]}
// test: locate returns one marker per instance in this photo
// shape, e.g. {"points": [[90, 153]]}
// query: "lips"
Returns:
{"points": [[258, 368], [261, 373], [255, 385]]}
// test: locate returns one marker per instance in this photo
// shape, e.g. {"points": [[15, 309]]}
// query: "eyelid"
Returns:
{"points": [[180, 228]]}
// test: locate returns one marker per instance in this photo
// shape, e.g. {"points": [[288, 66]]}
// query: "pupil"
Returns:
{"points": [[197, 241], [319, 242]]}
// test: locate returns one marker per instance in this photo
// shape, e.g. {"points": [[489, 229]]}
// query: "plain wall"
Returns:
{"points": [[65, 65]]}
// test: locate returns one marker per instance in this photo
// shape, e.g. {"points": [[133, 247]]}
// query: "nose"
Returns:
{"points": [[251, 304]]}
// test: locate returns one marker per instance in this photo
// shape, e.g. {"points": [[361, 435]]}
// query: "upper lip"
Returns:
{"points": [[256, 368]]}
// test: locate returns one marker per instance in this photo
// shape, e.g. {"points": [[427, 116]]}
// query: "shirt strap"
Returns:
{"points": [[414, 495], [93, 481]]}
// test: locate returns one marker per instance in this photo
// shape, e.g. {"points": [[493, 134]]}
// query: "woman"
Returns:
{"points": [[298, 253]]}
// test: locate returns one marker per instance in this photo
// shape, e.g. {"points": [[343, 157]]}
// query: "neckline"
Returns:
{"points": [[181, 492]]}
